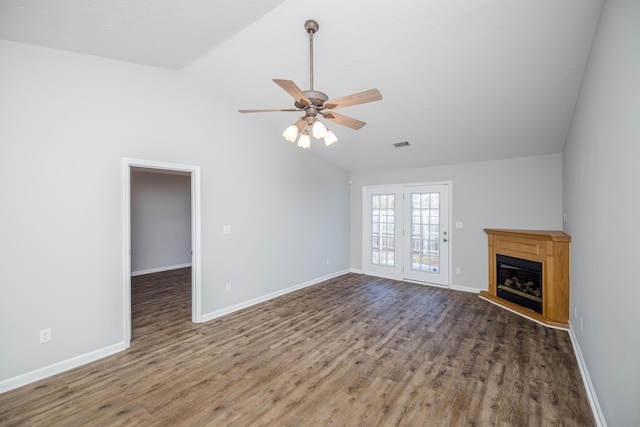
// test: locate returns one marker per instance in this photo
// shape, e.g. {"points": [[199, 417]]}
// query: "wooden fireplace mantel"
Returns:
{"points": [[551, 248]]}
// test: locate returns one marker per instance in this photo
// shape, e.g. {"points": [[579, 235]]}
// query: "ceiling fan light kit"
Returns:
{"points": [[319, 130], [313, 103]]}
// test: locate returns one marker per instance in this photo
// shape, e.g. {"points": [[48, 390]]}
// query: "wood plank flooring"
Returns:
{"points": [[352, 351]]}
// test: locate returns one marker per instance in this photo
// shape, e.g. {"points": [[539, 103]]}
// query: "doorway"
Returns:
{"points": [[194, 173], [406, 232]]}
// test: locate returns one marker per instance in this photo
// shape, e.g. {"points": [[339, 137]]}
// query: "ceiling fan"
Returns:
{"points": [[313, 103]]}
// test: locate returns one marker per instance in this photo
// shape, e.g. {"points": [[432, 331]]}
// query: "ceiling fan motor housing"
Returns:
{"points": [[317, 99]]}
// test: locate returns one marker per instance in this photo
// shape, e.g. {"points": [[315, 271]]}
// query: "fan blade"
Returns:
{"points": [[293, 90], [343, 120], [267, 111], [355, 99]]}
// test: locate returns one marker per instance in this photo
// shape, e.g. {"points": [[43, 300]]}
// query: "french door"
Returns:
{"points": [[426, 234], [406, 232], [382, 232]]}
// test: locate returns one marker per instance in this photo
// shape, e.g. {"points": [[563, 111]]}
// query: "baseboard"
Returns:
{"points": [[159, 269], [258, 300], [452, 287], [417, 282], [586, 379], [57, 368], [465, 289]]}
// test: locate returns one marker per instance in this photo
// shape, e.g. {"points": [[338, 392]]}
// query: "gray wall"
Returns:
{"points": [[160, 221], [524, 193], [602, 201], [68, 120]]}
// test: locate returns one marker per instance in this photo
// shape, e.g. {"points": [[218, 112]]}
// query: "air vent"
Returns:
{"points": [[401, 144]]}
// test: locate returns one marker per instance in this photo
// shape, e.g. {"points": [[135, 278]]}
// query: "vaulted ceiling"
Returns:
{"points": [[461, 80]]}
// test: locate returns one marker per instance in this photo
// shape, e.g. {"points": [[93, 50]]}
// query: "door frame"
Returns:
{"points": [[402, 187], [196, 282]]}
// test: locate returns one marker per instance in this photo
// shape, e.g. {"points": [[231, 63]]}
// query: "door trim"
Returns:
{"points": [[196, 282], [451, 242]]}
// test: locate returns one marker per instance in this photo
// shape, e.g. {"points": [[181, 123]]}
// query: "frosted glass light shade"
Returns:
{"points": [[330, 138], [290, 133], [318, 130], [304, 141]]}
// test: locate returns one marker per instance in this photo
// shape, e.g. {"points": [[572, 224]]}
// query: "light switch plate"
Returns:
{"points": [[45, 335]]}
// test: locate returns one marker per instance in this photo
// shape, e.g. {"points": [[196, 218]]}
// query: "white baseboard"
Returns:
{"points": [[465, 289], [56, 368], [258, 300], [452, 287], [586, 379], [159, 269], [417, 282]]}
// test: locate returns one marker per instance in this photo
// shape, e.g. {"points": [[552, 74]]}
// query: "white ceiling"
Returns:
{"points": [[461, 80], [160, 33]]}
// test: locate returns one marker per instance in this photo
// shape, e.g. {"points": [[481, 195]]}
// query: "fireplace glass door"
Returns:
{"points": [[519, 281]]}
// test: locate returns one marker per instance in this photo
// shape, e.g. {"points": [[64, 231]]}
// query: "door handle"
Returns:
{"points": [[445, 240]]}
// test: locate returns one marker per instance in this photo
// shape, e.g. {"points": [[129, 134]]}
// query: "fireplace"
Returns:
{"points": [[519, 281], [529, 274]]}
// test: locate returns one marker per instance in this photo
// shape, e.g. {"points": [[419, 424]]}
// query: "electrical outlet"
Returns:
{"points": [[227, 287], [226, 229], [459, 224], [45, 335], [328, 261], [458, 270]]}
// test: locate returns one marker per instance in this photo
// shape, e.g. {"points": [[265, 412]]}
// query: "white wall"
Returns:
{"points": [[67, 122], [160, 221], [522, 193], [602, 200]]}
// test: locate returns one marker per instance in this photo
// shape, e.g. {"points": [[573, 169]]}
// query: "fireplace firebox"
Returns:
{"points": [[519, 281]]}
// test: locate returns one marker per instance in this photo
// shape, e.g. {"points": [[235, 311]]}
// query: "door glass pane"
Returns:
{"points": [[382, 229], [425, 232]]}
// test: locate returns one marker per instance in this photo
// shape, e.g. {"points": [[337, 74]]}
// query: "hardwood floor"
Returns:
{"points": [[352, 351]]}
